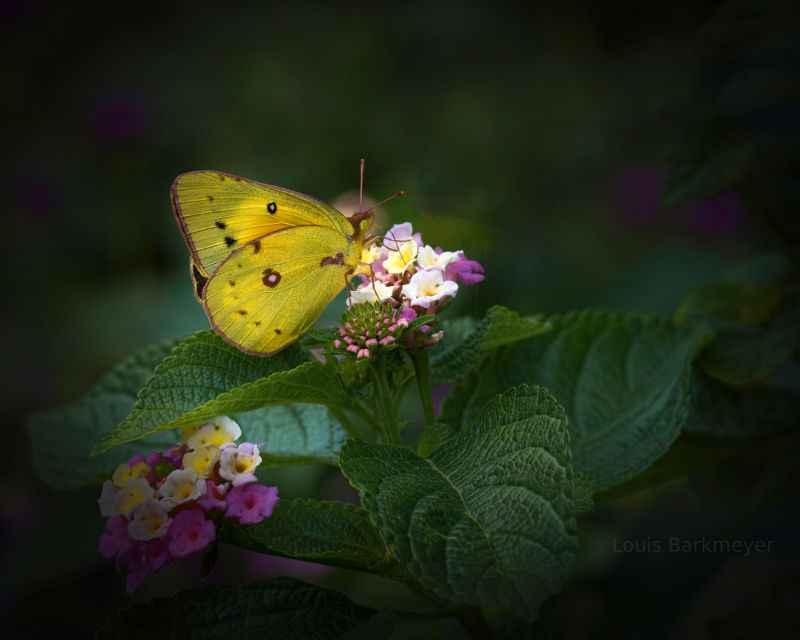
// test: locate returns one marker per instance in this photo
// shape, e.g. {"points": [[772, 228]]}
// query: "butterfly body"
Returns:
{"points": [[265, 260]]}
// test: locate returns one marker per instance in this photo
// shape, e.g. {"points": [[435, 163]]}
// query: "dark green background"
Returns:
{"points": [[535, 138]]}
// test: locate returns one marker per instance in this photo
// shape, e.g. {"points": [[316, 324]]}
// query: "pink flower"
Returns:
{"points": [[135, 460], [252, 503], [468, 272], [116, 540], [214, 497], [401, 233], [141, 558], [174, 455], [190, 532]]}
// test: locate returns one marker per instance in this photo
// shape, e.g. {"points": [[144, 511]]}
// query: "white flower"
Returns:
{"points": [[181, 486], [238, 464], [217, 432], [427, 257], [428, 286], [367, 293], [106, 500], [201, 459], [149, 520], [399, 261], [123, 473], [135, 491]]}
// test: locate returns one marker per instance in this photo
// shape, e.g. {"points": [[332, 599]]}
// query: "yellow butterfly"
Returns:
{"points": [[265, 260]]}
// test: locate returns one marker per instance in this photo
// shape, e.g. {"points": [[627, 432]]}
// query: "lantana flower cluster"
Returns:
{"points": [[163, 507], [408, 279]]}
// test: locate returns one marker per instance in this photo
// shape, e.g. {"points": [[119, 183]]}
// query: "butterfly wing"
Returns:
{"points": [[270, 291], [219, 213]]}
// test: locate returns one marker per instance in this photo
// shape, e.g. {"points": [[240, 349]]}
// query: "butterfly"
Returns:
{"points": [[265, 260]]}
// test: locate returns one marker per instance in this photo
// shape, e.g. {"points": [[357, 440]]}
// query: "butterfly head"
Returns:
{"points": [[361, 221]]}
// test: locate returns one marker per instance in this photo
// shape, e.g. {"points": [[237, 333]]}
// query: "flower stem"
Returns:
{"points": [[422, 368], [391, 434]]}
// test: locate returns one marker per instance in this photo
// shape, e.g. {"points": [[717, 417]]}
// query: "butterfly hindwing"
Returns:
{"points": [[268, 292], [219, 213]]}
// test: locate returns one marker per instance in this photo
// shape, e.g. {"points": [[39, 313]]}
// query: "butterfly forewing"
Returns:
{"points": [[219, 213], [267, 293]]}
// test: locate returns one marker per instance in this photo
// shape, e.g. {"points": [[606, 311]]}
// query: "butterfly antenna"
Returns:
{"points": [[392, 197]]}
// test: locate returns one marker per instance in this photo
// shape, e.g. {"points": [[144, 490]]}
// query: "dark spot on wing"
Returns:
{"points": [[278, 331], [210, 198], [257, 323], [271, 278], [272, 207], [339, 259], [232, 283], [220, 225], [199, 280], [221, 178], [242, 312], [257, 246], [229, 241]]}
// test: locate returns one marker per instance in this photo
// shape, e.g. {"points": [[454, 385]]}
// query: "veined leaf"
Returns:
{"points": [[205, 377], [62, 438], [330, 532], [293, 434], [499, 327], [623, 381], [275, 608], [488, 517]]}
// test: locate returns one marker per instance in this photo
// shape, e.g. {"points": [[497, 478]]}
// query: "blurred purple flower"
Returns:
{"points": [[438, 393], [260, 565], [635, 192], [118, 116], [720, 215], [36, 192]]}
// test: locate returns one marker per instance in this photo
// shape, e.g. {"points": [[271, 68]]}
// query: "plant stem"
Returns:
{"points": [[391, 435], [346, 423], [422, 368]]}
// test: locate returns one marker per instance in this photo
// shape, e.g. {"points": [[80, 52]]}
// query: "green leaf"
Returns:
{"points": [[416, 323], [293, 434], [501, 326], [756, 311], [750, 354], [705, 178], [488, 517], [623, 381], [278, 607], [330, 532], [205, 377], [720, 410], [62, 438], [743, 303]]}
